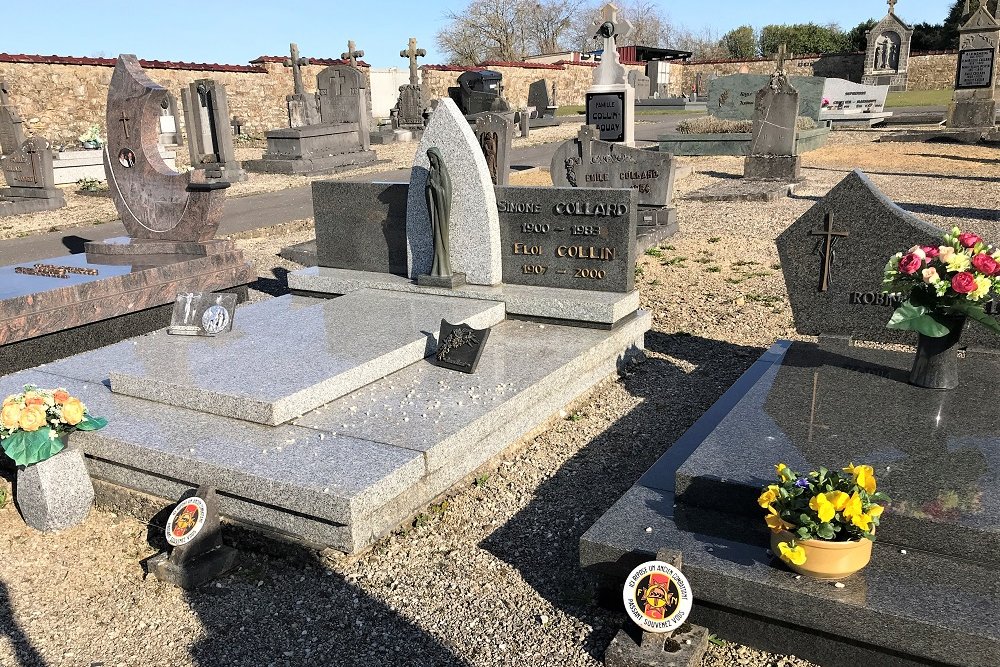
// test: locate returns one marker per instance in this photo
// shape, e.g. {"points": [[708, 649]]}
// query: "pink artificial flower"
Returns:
{"points": [[969, 240], [986, 265], [964, 283], [910, 264]]}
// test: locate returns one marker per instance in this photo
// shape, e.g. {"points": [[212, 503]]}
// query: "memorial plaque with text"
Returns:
{"points": [[606, 112], [571, 238], [975, 68]]}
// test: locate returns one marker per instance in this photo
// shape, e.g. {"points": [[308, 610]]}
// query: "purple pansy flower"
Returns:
{"points": [[802, 483]]}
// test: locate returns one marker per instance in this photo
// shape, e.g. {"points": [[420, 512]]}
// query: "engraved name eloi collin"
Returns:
{"points": [[584, 209]]}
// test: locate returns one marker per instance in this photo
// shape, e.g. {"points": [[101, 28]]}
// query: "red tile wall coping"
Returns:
{"points": [[253, 68], [808, 56]]}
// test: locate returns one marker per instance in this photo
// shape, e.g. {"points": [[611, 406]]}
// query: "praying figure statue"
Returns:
{"points": [[438, 194]]}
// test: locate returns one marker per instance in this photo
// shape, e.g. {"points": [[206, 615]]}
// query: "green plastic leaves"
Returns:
{"points": [[27, 448], [909, 317]]}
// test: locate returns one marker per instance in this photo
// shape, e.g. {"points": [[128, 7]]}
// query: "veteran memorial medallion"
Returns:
{"points": [[186, 521], [657, 597]]}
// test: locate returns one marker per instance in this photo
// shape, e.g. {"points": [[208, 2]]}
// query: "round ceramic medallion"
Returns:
{"points": [[215, 319], [657, 597], [186, 521]]}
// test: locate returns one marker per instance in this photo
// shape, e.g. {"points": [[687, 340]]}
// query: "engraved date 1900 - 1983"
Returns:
{"points": [[575, 230]]}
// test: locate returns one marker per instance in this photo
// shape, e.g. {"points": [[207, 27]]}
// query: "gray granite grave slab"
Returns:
{"points": [[475, 229], [322, 475], [600, 308], [361, 226], [447, 415], [570, 238], [733, 96], [587, 162], [852, 304], [329, 348]]}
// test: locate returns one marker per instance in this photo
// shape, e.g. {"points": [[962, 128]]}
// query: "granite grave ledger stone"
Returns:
{"points": [[210, 131]]}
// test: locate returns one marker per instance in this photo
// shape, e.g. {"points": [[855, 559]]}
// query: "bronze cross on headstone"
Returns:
{"points": [[297, 63], [826, 251], [352, 54], [413, 53], [124, 121]]}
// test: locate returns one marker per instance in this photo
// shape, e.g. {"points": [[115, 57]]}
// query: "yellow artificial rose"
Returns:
{"points": [[775, 522], [32, 418], [930, 276], [864, 476], [10, 415], [768, 497], [823, 507], [958, 262], [72, 411], [795, 556], [784, 474]]}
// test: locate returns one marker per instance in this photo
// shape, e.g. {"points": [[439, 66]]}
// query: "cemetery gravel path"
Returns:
{"points": [[491, 576]]}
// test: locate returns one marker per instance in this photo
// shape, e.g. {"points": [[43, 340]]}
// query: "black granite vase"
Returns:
{"points": [[936, 365]]}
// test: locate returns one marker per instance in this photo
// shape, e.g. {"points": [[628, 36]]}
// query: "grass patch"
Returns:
{"points": [[704, 260], [735, 280], [713, 125], [745, 262], [715, 239], [776, 266], [654, 252], [713, 269], [765, 299], [673, 261], [919, 98], [571, 110]]}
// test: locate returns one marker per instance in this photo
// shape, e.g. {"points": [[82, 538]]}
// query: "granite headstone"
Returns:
{"points": [[495, 133], [210, 139], [840, 95], [11, 125], [361, 226], [733, 97], [975, 99], [539, 98]]}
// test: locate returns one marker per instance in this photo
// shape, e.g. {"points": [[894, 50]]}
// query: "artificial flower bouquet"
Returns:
{"points": [[33, 422], [944, 284], [836, 506]]}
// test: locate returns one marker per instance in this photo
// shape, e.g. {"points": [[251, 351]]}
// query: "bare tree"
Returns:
{"points": [[485, 30], [549, 24]]}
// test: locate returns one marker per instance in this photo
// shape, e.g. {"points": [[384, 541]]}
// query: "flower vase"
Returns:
{"points": [[57, 493], [825, 560], [936, 363]]}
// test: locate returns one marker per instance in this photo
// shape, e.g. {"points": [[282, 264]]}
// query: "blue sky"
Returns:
{"points": [[236, 32]]}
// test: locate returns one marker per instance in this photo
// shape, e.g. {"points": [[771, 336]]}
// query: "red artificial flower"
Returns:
{"points": [[931, 251], [910, 264], [986, 264], [964, 283], [968, 240]]}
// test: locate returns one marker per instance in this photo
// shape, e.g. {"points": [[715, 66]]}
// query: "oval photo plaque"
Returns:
{"points": [[186, 521], [657, 597]]}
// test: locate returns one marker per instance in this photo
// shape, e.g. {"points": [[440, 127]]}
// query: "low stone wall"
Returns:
{"points": [[932, 71], [60, 98]]}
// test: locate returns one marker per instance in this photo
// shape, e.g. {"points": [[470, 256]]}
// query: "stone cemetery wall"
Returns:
{"points": [[927, 71], [61, 97], [571, 79]]}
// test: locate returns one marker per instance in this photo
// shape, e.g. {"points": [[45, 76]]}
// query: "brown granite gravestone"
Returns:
{"points": [[155, 203]]}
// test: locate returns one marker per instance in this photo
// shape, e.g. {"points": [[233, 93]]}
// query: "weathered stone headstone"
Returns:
{"points": [[210, 140], [301, 107], [478, 92], [475, 229], [361, 226], [343, 99], [888, 54], [733, 97], [773, 145], [539, 98], [610, 101], [641, 83], [410, 106], [495, 133], [833, 259], [154, 203], [572, 238], [11, 125], [976, 94]]}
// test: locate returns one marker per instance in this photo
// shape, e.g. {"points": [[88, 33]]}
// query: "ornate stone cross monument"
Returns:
{"points": [[297, 63], [611, 100], [412, 52], [352, 54]]}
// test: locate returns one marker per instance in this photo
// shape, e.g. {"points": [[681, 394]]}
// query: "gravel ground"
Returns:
{"points": [[490, 576]]}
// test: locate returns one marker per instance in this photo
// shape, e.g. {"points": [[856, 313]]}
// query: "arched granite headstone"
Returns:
{"points": [[475, 223], [154, 202]]}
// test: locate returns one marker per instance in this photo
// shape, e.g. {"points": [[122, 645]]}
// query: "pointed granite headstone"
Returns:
{"points": [[475, 225]]}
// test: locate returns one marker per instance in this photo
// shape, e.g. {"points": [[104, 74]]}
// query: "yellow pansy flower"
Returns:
{"points": [[768, 497], [864, 476], [875, 511], [823, 507], [784, 474], [775, 522], [853, 507], [838, 499], [795, 556], [862, 521]]}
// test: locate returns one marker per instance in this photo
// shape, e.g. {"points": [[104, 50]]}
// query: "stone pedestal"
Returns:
{"points": [[312, 149], [786, 168], [55, 494]]}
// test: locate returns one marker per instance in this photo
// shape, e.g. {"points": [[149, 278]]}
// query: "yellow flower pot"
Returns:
{"points": [[826, 560]]}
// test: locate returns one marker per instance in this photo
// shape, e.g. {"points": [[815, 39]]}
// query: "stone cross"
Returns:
{"points": [[413, 53], [297, 63], [619, 27], [781, 56], [826, 251], [892, 6], [352, 54]]}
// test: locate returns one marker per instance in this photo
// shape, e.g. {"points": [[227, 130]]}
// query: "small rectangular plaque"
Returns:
{"points": [[975, 68], [460, 347], [606, 112], [202, 314]]}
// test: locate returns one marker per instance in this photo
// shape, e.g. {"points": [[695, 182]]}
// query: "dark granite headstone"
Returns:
{"points": [[460, 347], [588, 162], [210, 139], [833, 270], [154, 202], [606, 112], [733, 96], [539, 98], [361, 226], [575, 238], [198, 554], [495, 133]]}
